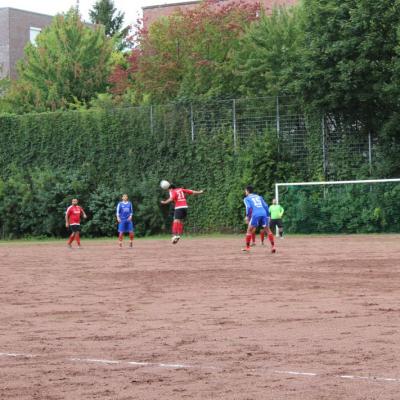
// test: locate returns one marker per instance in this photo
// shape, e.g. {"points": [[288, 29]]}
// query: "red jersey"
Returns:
{"points": [[74, 215], [178, 197]]}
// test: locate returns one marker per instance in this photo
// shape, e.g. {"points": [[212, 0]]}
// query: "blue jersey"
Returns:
{"points": [[124, 210], [255, 206]]}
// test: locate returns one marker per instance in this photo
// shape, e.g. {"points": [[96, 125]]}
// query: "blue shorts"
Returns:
{"points": [[125, 226], [259, 220]]}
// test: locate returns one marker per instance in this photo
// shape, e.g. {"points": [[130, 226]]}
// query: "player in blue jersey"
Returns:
{"points": [[257, 215], [124, 218]]}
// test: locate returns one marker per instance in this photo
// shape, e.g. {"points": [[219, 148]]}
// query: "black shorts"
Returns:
{"points": [[273, 223], [180, 213], [75, 228]]}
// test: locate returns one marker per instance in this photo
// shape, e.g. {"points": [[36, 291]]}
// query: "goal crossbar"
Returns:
{"points": [[277, 185]]}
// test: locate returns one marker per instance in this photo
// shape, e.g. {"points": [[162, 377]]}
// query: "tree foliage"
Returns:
{"points": [[69, 63], [104, 13], [188, 54]]}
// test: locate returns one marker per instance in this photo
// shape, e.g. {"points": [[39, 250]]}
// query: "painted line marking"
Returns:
{"points": [[186, 366], [296, 373]]}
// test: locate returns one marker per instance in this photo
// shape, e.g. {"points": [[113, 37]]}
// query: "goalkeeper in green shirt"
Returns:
{"points": [[276, 212]]}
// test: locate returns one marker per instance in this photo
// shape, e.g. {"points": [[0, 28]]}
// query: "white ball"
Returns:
{"points": [[164, 184]]}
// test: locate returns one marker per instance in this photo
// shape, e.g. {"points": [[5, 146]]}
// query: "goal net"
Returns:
{"points": [[358, 206]]}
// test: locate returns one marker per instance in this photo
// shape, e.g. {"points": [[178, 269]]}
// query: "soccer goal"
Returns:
{"points": [[355, 206]]}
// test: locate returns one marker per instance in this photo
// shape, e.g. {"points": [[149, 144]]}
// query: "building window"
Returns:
{"points": [[33, 32]]}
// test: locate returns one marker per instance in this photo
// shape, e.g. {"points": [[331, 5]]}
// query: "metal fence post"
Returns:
{"points": [[234, 123], [324, 161], [192, 121], [151, 120], [370, 152], [278, 122]]}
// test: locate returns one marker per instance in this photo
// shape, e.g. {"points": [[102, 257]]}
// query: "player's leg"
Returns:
{"points": [[78, 235], [251, 229], [280, 228], [121, 230], [131, 233], [71, 239], [253, 238], [179, 217], [262, 236], [271, 239]]}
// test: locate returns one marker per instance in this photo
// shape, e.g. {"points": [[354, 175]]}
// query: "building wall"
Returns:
{"points": [[152, 13], [4, 43], [20, 24], [15, 35]]}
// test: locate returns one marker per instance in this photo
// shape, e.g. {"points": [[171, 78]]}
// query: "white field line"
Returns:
{"points": [[187, 366]]}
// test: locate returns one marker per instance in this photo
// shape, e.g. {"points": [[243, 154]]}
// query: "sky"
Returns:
{"points": [[131, 8]]}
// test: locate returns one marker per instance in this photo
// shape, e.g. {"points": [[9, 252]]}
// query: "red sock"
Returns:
{"points": [[174, 228], [179, 227], [121, 236], [271, 238], [71, 238], [253, 237], [131, 235], [248, 239], [78, 238], [262, 236]]}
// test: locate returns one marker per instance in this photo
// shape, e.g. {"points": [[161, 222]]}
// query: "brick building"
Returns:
{"points": [[17, 28], [152, 13]]}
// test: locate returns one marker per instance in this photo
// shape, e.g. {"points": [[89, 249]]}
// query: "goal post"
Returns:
{"points": [[351, 206]]}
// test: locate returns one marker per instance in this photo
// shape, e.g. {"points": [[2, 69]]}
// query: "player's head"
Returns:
{"points": [[274, 201], [248, 190], [74, 202], [172, 186], [124, 197]]}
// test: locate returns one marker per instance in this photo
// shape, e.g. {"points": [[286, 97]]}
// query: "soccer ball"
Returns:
{"points": [[164, 185]]}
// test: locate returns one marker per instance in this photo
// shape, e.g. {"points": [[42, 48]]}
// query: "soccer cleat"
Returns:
{"points": [[262, 244], [175, 239], [79, 247], [247, 249], [69, 245], [120, 245], [130, 245], [273, 250], [253, 244]]}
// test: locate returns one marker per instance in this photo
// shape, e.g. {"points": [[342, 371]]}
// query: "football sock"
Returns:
{"points": [[248, 239], [262, 236], [271, 238], [71, 238], [179, 227], [253, 237], [78, 238], [174, 227], [131, 235]]}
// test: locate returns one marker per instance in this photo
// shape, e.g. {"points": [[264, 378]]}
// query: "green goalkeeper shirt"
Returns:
{"points": [[276, 211]]}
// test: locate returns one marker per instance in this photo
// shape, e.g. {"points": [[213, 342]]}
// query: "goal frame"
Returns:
{"points": [[327, 183]]}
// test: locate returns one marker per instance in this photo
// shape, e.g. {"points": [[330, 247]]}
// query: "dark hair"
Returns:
{"points": [[250, 189], [172, 186]]}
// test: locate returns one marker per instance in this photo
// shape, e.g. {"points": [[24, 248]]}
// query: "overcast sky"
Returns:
{"points": [[131, 8]]}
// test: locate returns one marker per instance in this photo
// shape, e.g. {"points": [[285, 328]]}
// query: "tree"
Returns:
{"points": [[104, 13], [188, 54], [70, 63], [348, 58], [268, 54]]}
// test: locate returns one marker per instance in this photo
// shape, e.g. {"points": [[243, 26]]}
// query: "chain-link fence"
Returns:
{"points": [[306, 140]]}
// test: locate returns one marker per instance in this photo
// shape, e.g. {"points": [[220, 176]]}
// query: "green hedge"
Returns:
{"points": [[46, 159]]}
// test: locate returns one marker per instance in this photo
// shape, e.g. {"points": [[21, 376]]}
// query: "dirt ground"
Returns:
{"points": [[202, 320]]}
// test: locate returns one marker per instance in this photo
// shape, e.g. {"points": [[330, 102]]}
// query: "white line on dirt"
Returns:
{"points": [[187, 366]]}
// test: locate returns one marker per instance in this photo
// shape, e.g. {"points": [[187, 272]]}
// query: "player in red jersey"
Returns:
{"points": [[73, 221], [177, 195]]}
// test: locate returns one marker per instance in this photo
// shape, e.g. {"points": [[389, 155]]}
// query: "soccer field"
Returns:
{"points": [[202, 320]]}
